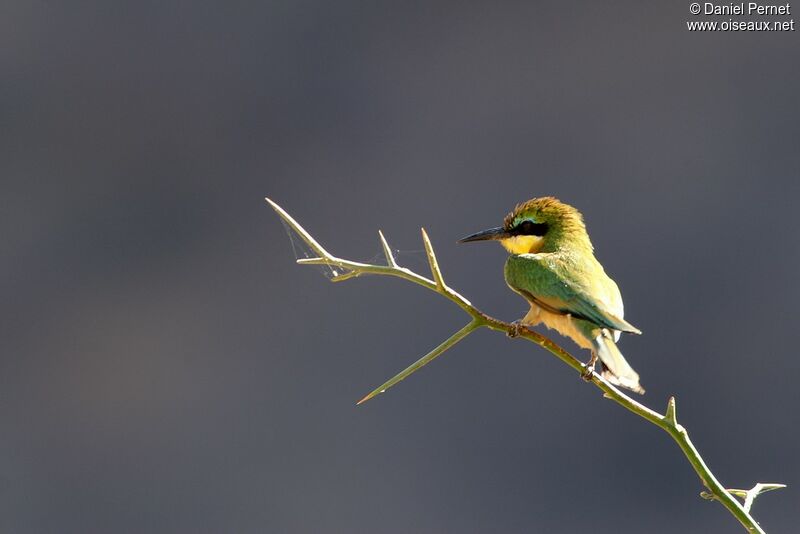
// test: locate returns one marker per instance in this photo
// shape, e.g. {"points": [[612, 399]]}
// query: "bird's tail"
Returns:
{"points": [[617, 370]]}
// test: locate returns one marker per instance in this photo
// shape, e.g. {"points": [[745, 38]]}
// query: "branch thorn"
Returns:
{"points": [[437, 274], [387, 251], [671, 416]]}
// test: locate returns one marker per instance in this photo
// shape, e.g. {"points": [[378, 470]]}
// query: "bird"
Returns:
{"points": [[551, 264]]}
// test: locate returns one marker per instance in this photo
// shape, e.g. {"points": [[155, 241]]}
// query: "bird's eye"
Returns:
{"points": [[531, 228]]}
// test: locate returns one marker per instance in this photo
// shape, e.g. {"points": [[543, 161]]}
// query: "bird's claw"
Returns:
{"points": [[588, 373], [588, 368], [516, 328]]}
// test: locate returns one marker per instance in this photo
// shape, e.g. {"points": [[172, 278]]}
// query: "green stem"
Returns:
{"points": [[425, 360], [667, 422]]}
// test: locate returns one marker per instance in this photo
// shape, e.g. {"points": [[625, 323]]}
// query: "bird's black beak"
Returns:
{"points": [[486, 235]]}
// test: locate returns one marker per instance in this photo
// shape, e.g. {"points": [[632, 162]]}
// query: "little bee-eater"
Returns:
{"points": [[552, 265]]}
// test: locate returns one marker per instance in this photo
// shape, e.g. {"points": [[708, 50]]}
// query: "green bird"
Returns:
{"points": [[552, 265]]}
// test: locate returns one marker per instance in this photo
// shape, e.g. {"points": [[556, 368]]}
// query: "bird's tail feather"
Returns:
{"points": [[617, 370]]}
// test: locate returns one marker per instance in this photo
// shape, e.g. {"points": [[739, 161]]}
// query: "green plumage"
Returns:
{"points": [[566, 284], [552, 265]]}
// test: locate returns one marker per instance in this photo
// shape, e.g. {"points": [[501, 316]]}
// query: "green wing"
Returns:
{"points": [[563, 287]]}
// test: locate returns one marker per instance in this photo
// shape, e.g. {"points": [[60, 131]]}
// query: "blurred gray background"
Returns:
{"points": [[166, 367]]}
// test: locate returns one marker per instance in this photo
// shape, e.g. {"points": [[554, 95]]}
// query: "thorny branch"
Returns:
{"points": [[667, 422]]}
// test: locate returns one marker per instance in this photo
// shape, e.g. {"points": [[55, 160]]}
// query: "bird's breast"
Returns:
{"points": [[564, 324]]}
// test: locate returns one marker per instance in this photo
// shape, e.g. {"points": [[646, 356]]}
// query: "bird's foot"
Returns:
{"points": [[588, 372], [588, 368], [516, 328]]}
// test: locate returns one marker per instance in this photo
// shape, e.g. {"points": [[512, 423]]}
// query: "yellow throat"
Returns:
{"points": [[523, 244]]}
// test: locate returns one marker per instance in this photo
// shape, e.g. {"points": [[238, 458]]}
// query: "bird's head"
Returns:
{"points": [[539, 225]]}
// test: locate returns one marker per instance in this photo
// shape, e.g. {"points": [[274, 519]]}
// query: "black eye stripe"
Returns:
{"points": [[530, 228]]}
